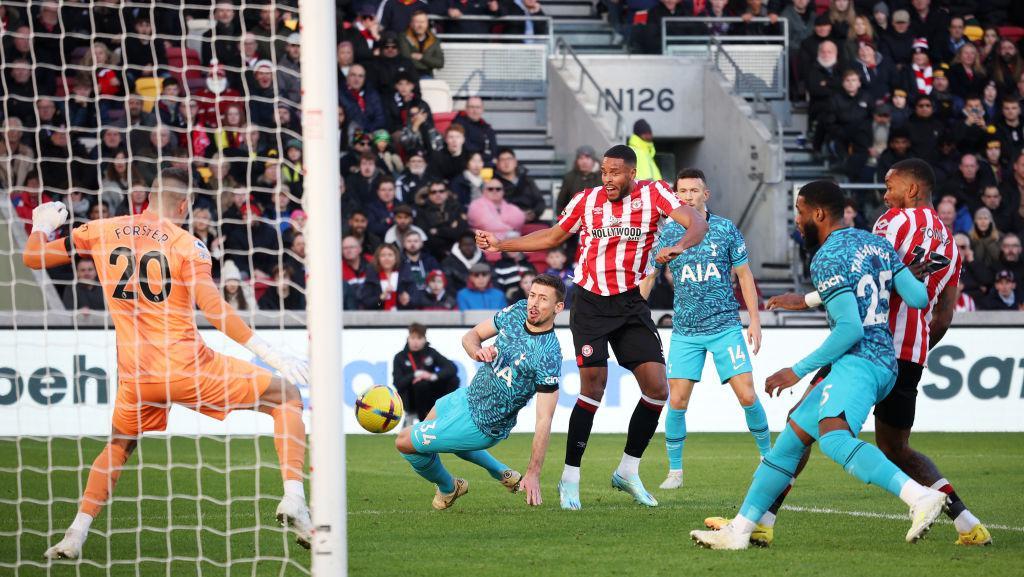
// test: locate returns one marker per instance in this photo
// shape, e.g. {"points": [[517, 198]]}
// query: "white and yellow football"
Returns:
{"points": [[379, 409]]}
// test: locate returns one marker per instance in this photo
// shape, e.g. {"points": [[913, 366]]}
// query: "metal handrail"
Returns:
{"points": [[707, 20], [562, 48], [548, 38]]}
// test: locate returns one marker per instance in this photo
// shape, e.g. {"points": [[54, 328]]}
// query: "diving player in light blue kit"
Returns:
{"points": [[854, 272], [705, 320], [526, 359]]}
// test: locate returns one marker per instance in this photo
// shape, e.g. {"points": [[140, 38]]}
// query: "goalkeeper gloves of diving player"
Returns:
{"points": [[293, 369]]}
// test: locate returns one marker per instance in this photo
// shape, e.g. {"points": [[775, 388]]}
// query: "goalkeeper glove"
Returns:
{"points": [[48, 217], [293, 369]]}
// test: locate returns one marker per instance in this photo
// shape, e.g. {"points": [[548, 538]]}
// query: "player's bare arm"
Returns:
{"points": [[540, 240], [696, 227], [473, 341], [792, 301], [546, 404], [647, 285], [942, 314], [749, 291], [39, 253]]}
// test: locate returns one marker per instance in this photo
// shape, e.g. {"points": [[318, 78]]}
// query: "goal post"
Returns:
{"points": [[324, 320]]}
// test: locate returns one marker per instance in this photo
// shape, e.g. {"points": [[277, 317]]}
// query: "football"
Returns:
{"points": [[379, 409]]}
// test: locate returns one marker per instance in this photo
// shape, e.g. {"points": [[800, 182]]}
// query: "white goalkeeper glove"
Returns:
{"points": [[48, 217], [293, 369]]}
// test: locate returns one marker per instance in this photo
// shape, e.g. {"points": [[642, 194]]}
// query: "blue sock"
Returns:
{"points": [[485, 460], [863, 460], [757, 422], [773, 475], [675, 437], [430, 468]]}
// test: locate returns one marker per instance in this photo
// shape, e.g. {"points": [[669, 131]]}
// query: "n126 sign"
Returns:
{"points": [[639, 100]]}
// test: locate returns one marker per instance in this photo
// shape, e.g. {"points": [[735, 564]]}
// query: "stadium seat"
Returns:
{"points": [[442, 120], [1011, 33], [186, 66], [437, 94], [537, 258], [149, 88]]}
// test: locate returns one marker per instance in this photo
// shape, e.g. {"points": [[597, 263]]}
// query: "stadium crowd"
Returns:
{"points": [[97, 98]]}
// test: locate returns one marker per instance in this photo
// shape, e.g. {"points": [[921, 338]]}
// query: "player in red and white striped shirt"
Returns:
{"points": [[617, 224], [917, 234]]}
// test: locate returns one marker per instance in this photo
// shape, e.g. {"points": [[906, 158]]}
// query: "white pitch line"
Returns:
{"points": [[888, 516]]}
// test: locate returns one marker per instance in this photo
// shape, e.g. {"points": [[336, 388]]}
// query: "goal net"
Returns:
{"points": [[96, 99]]}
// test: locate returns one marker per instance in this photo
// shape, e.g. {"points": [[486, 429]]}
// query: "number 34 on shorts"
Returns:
{"points": [[728, 348]]}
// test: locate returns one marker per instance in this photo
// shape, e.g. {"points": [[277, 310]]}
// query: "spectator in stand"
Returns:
{"points": [[947, 214], [808, 51], [236, 293], [478, 293], [1005, 296], [459, 8], [221, 42], [415, 264], [901, 110], [354, 268], [823, 80], [964, 302], [451, 160], [898, 42], [966, 73], [975, 277], [403, 224], [396, 15], [381, 209], [468, 186], [649, 42], [403, 97], [852, 217], [985, 238], [559, 266], [509, 270], [1004, 219], [85, 294], [898, 149], [204, 231], [381, 291], [1009, 128], [966, 184], [947, 105], [969, 130], [989, 46], [535, 26], [251, 53], [994, 163], [289, 69], [386, 154], [849, 125], [443, 218], [945, 158], [859, 34], [257, 241], [421, 374], [799, 19], [419, 132], [421, 45], [948, 46], [364, 34], [464, 254], [413, 178], [480, 137], [881, 124], [642, 143], [842, 16], [136, 201], [1006, 67], [493, 212], [346, 59], [877, 74], [142, 52], [522, 289], [436, 296], [362, 185], [284, 292], [585, 174], [520, 189], [1010, 255], [1013, 191], [925, 22], [390, 65], [917, 78], [362, 105], [18, 160], [358, 228], [924, 128]]}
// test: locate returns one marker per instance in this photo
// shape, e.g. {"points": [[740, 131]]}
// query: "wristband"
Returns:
{"points": [[812, 300]]}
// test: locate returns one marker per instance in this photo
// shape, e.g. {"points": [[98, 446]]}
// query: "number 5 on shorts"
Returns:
{"points": [[824, 395]]}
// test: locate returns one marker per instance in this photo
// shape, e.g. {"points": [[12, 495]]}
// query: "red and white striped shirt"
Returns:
{"points": [[916, 232], [616, 237]]}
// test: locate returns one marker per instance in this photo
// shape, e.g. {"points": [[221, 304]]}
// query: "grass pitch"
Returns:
{"points": [[834, 525]]}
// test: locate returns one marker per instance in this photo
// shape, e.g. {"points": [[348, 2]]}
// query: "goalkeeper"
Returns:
{"points": [[154, 274]]}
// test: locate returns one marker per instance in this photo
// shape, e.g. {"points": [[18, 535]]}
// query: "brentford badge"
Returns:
{"points": [[598, 210], [636, 204], [587, 350]]}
